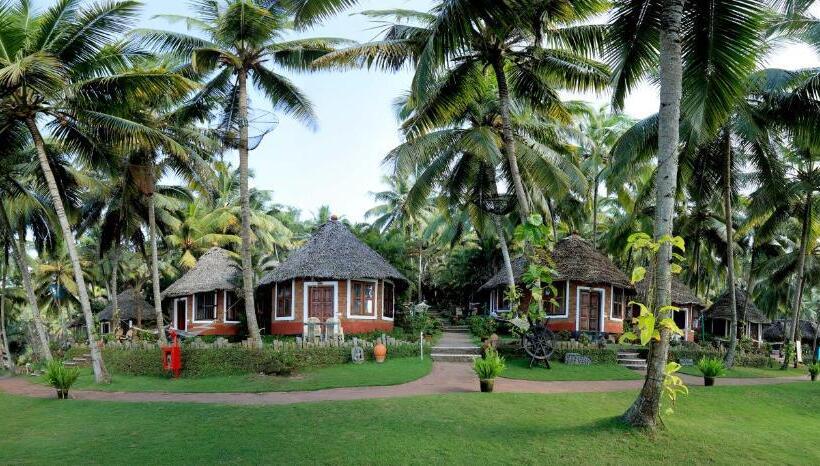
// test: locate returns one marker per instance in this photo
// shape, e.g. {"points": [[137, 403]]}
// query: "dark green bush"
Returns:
{"points": [[419, 322], [236, 360], [481, 326]]}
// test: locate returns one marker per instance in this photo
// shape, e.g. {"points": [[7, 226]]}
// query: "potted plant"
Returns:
{"points": [[814, 369], [711, 368], [488, 368], [61, 377]]}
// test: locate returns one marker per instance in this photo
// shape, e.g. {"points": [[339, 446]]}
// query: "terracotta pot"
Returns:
{"points": [[380, 352], [486, 385], [708, 381]]}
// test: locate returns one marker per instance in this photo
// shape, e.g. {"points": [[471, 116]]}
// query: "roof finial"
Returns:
{"points": [[334, 218]]}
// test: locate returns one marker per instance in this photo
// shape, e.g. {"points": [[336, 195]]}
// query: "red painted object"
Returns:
{"points": [[172, 356]]}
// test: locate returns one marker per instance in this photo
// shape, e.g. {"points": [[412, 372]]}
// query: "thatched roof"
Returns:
{"points": [[682, 295], [775, 331], [333, 251], [215, 270], [575, 259], [721, 308], [131, 303]]}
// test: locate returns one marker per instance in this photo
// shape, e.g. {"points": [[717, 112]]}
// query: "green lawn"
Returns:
{"points": [[391, 372], [774, 424], [750, 372], [520, 369]]}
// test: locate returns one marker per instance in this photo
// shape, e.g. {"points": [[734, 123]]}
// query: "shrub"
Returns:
{"points": [[490, 366], [481, 326], [596, 355], [563, 335], [61, 377], [814, 369], [711, 367], [420, 322]]}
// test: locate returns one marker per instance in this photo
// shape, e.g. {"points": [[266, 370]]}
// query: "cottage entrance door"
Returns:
{"points": [[180, 311], [590, 311], [320, 302]]}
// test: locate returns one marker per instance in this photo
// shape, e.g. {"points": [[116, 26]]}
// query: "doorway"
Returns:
{"points": [[180, 314], [320, 302], [589, 310]]}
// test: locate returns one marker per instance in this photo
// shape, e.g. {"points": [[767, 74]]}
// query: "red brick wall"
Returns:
{"points": [[218, 327], [350, 326]]}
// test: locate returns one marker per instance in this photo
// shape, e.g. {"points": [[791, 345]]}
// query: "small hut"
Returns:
{"points": [[592, 291], [134, 310], [775, 332], [204, 300], [691, 306], [717, 319], [333, 276]]}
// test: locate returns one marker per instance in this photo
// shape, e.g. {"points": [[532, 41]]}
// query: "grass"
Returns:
{"points": [[752, 372], [775, 424], [391, 372], [520, 369]]}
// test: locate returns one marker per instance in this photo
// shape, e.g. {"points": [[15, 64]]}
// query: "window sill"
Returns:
{"points": [[355, 317]]}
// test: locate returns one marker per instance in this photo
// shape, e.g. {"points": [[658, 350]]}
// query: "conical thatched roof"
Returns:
{"points": [[131, 303], [215, 270], [575, 259], [333, 251], [721, 308], [681, 294], [775, 331]]}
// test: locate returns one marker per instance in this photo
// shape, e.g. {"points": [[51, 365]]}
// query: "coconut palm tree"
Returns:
{"points": [[534, 48], [683, 39], [56, 80], [241, 40]]}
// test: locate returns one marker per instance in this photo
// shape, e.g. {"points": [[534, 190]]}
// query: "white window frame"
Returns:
{"points": [[292, 315], [612, 304], [686, 320], [389, 319], [102, 328], [601, 311], [196, 305], [494, 300], [565, 315], [375, 299], [176, 302], [225, 309], [305, 304]]}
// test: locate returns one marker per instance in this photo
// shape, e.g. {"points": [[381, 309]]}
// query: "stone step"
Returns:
{"points": [[456, 350], [459, 329], [635, 367], [625, 361], [444, 357], [80, 359], [628, 353], [71, 364]]}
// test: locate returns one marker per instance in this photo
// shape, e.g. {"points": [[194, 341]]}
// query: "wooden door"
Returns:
{"points": [[320, 302], [180, 313], [590, 311]]}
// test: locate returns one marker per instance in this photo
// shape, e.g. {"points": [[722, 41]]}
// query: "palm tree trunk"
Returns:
{"points": [[421, 274], [645, 411], [115, 301], [100, 372], [3, 335], [507, 138], [247, 265], [595, 210], [152, 231], [729, 358], [505, 253], [801, 267], [18, 251]]}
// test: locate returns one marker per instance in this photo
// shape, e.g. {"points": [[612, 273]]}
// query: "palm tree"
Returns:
{"points": [[683, 39], [6, 359], [241, 39], [55, 75]]}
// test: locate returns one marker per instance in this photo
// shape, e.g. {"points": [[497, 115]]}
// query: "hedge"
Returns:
{"points": [[596, 355], [237, 360], [696, 354]]}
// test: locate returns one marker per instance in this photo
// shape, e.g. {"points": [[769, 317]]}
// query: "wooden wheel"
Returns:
{"points": [[539, 344]]}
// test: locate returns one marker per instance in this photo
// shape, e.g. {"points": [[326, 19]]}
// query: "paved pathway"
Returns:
{"points": [[445, 377]]}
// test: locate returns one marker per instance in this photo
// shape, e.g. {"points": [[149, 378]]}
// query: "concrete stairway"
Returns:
{"points": [[456, 329], [79, 361], [631, 360], [455, 346]]}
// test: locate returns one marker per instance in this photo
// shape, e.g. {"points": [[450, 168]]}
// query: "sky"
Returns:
{"points": [[339, 163]]}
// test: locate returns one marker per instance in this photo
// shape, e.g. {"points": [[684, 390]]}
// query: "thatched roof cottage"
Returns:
{"points": [[134, 309], [592, 291], [717, 319], [205, 299], [774, 332], [333, 276], [691, 306]]}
